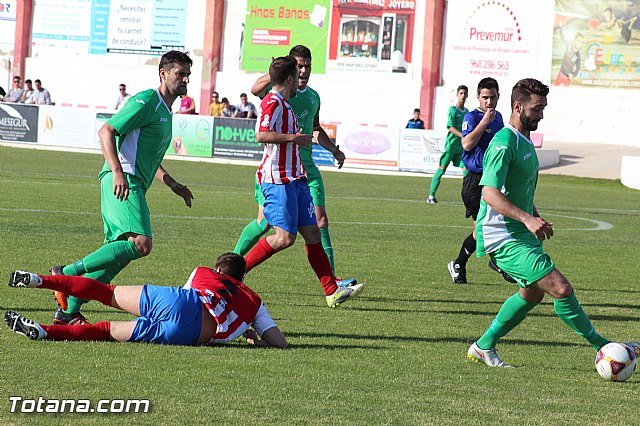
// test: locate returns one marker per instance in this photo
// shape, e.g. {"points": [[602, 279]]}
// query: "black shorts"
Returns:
{"points": [[471, 193]]}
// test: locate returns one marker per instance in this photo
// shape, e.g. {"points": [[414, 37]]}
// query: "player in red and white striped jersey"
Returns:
{"points": [[214, 306], [288, 206]]}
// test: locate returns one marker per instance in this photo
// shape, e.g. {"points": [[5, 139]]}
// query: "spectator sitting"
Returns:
{"points": [[15, 93], [123, 97], [216, 107], [28, 92], [245, 109], [228, 110], [415, 122], [40, 95], [187, 105]]}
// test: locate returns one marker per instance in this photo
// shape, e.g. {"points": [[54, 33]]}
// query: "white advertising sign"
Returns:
{"points": [[66, 127], [369, 147], [420, 151]]}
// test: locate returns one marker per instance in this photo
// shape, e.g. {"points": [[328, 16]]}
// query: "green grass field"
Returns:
{"points": [[394, 355]]}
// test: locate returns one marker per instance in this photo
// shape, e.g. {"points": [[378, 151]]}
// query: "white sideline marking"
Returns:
{"points": [[600, 225]]}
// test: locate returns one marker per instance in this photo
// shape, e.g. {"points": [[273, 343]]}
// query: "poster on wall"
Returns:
{"points": [[372, 36], [273, 27], [7, 25], [70, 127], [191, 135], [420, 151], [236, 138], [320, 156], [499, 39], [596, 43], [369, 147], [18, 123], [60, 25]]}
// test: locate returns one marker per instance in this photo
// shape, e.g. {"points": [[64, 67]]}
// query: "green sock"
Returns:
{"points": [[435, 181], [250, 236], [570, 311], [326, 245], [104, 276], [513, 311], [107, 256]]}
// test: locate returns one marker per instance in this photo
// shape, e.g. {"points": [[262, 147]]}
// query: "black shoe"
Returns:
{"points": [[458, 272], [60, 318], [506, 276]]}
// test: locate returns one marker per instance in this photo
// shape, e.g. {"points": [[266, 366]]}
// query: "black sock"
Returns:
{"points": [[467, 249]]}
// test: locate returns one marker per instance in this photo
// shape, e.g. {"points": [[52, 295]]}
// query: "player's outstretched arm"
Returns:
{"points": [[261, 85], [181, 190], [273, 337], [325, 142], [279, 138], [107, 135]]}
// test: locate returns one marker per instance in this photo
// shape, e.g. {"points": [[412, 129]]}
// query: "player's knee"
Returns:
{"points": [[283, 241], [143, 244], [563, 290]]}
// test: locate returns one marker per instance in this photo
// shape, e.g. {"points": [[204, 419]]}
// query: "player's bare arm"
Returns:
{"points": [[278, 138], [455, 131], [471, 139], [325, 142], [497, 200], [261, 85], [273, 337], [181, 190], [107, 135]]}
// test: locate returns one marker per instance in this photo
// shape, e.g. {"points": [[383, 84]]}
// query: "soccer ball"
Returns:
{"points": [[615, 362]]}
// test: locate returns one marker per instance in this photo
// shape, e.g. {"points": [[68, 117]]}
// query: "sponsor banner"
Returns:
{"points": [[18, 123], [273, 27], [66, 127], [7, 25], [101, 118], [420, 151], [321, 156], [369, 147], [192, 135], [236, 138], [500, 39], [595, 44]]}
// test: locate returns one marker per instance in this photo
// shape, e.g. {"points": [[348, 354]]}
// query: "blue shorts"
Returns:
{"points": [[168, 315], [289, 206]]}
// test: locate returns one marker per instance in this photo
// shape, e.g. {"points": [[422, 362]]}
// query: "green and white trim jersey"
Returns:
{"points": [[306, 106], [511, 165], [144, 134]]}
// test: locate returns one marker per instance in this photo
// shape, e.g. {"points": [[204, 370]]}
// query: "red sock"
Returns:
{"points": [[98, 331], [320, 263], [261, 252], [83, 288]]}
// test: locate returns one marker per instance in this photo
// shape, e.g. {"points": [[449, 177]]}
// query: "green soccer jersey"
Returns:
{"points": [[144, 134], [455, 116], [511, 165], [306, 106]]}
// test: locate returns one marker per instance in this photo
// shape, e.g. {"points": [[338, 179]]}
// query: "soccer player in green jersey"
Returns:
{"points": [[133, 143], [306, 106], [510, 230], [452, 152]]}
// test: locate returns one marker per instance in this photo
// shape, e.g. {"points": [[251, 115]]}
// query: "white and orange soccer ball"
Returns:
{"points": [[615, 362]]}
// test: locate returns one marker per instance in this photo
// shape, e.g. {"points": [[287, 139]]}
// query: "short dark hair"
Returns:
{"points": [[526, 87], [17, 77], [173, 57], [215, 93], [281, 68], [462, 87], [37, 80], [28, 81], [123, 85], [300, 51], [243, 95], [488, 83], [417, 110], [224, 100], [232, 264]]}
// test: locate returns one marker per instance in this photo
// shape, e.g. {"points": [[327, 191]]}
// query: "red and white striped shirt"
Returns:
{"points": [[281, 163], [233, 305]]}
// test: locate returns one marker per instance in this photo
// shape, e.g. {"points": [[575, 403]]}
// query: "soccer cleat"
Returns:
{"points": [[507, 277], [24, 279], [343, 294], [61, 298], [24, 326], [60, 318], [346, 282], [458, 272], [432, 199], [489, 356], [635, 346]]}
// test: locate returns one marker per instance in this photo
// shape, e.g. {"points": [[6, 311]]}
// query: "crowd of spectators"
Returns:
{"points": [[33, 93], [223, 108]]}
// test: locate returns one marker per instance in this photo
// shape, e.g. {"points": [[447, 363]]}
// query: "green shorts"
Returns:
{"points": [[525, 262], [121, 217], [314, 180], [450, 155]]}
